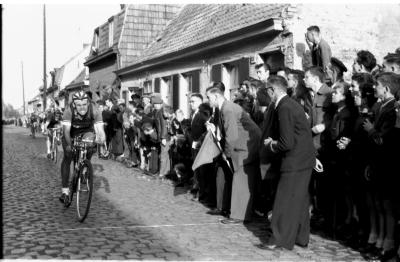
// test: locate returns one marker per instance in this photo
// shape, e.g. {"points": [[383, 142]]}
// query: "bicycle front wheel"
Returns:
{"points": [[54, 151], [84, 190]]}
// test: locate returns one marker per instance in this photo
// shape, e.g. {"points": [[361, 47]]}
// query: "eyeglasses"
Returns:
{"points": [[192, 101]]}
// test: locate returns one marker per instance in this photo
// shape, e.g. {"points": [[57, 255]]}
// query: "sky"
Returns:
{"points": [[67, 26]]}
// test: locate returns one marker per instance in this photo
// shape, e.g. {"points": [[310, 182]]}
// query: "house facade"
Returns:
{"points": [[33, 103], [63, 76], [207, 43], [119, 41], [80, 83]]}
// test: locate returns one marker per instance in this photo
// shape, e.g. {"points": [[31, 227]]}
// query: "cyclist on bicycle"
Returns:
{"points": [[54, 116], [34, 118], [80, 118]]}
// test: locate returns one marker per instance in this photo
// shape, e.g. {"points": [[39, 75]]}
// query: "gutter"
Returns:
{"points": [[99, 57], [261, 28]]}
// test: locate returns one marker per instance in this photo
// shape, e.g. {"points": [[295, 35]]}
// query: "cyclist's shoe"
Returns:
{"points": [[64, 198], [49, 156]]}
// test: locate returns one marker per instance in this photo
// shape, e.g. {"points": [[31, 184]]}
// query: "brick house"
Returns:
{"points": [[119, 41], [206, 43]]}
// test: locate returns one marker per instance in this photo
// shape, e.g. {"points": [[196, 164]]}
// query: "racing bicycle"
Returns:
{"points": [[82, 176], [55, 139]]}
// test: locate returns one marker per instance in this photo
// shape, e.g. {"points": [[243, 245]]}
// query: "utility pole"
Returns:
{"points": [[44, 59], [23, 86]]}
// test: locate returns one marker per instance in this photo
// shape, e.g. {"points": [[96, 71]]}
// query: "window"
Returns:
{"points": [[96, 39], [147, 87], [110, 33], [193, 80]]}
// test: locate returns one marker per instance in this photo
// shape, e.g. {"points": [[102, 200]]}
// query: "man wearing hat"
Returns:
{"points": [[163, 136], [117, 142], [336, 70]]}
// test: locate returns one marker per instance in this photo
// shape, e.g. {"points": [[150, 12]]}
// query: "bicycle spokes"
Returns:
{"points": [[84, 189]]}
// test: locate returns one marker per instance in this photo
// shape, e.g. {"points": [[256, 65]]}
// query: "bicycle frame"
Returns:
{"points": [[80, 147], [55, 134]]}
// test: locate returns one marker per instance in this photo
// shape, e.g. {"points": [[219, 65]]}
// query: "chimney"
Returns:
{"points": [[122, 6]]}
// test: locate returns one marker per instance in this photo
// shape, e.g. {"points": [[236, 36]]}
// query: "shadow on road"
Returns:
{"points": [[101, 182]]}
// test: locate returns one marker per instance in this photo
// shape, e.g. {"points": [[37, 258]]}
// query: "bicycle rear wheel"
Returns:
{"points": [[84, 190]]}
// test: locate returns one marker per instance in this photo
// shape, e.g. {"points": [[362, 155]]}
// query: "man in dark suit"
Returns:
{"points": [[240, 138], [291, 141], [204, 178]]}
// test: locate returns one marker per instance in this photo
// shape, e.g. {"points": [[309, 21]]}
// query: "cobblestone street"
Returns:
{"points": [[131, 217]]}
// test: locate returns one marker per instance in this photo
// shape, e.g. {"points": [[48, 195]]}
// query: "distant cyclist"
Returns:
{"points": [[34, 119], [80, 118], [53, 120]]}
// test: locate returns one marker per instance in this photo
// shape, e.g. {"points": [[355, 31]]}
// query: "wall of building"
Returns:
{"points": [[101, 74], [348, 29], [74, 67]]}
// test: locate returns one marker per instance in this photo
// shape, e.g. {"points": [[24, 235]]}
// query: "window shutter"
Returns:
{"points": [[175, 92], [196, 82], [216, 73], [157, 85], [244, 69]]}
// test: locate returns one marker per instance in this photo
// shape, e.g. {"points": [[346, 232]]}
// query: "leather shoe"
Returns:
{"points": [[388, 254], [269, 245], [302, 245], [195, 198], [374, 254], [64, 198], [232, 221]]}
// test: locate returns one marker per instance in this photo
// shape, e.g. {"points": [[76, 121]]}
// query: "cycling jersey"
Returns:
{"points": [[54, 117], [81, 124], [34, 118]]}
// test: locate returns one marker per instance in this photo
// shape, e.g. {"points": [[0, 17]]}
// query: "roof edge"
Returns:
{"points": [[99, 57], [266, 26]]}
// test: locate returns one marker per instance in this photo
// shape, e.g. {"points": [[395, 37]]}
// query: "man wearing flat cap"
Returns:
{"points": [[162, 132], [117, 142]]}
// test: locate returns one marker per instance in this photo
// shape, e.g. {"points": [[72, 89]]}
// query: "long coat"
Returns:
{"points": [[240, 140]]}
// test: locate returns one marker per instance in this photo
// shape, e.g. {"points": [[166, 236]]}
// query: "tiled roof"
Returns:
{"points": [[143, 23], [198, 23]]}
